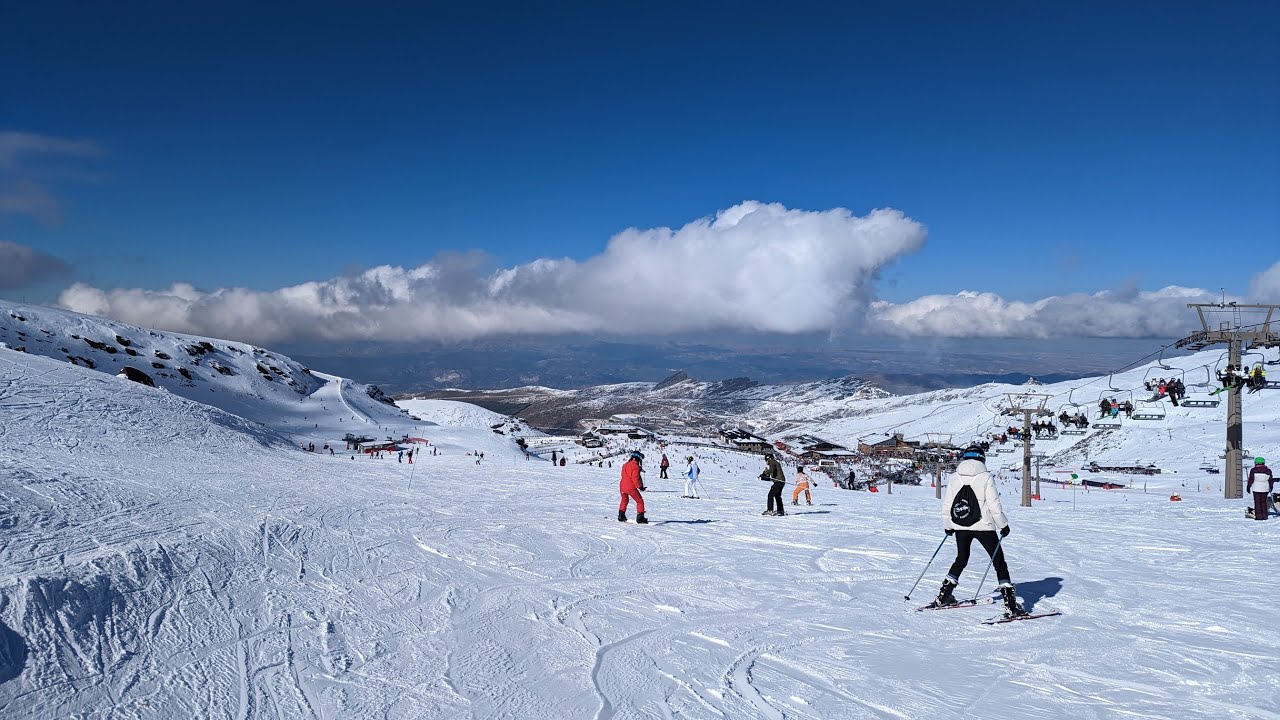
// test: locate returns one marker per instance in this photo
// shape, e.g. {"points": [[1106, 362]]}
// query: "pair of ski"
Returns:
{"points": [[989, 600]]}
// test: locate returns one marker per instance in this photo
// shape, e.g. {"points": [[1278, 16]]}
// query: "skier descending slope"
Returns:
{"points": [[773, 474], [630, 487], [971, 511], [692, 488]]}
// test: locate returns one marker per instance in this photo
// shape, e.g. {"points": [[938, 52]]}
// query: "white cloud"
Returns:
{"points": [[753, 266], [1161, 313], [1265, 287]]}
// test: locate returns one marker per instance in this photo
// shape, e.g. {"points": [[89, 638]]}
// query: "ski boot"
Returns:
{"points": [[1011, 606], [945, 597], [622, 516], [795, 502], [768, 512], [641, 519], [808, 503], [780, 512]]}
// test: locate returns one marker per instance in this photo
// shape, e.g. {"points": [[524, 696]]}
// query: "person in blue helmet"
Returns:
{"points": [[971, 511]]}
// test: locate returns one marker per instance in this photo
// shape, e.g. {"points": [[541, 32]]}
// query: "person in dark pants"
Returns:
{"points": [[773, 473], [1261, 481], [663, 465], [971, 511]]}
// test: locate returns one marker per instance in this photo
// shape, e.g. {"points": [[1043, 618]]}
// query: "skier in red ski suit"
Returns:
{"points": [[630, 487]]}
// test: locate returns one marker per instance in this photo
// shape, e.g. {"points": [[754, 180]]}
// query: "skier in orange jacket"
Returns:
{"points": [[630, 487]]}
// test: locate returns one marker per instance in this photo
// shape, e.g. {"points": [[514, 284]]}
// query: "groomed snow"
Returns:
{"points": [[161, 558]]}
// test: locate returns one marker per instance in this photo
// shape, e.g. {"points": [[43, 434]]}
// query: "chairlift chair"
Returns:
{"points": [[1075, 409], [1147, 411]]}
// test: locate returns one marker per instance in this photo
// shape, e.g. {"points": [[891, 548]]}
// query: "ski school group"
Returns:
{"points": [[971, 512]]}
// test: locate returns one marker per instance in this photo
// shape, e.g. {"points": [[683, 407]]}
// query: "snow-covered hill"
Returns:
{"points": [[163, 558]]}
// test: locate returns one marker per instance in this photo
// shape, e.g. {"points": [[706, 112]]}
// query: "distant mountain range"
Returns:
{"points": [[896, 365], [676, 405]]}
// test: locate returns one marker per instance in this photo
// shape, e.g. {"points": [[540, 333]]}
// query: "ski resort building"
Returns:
{"points": [[894, 445], [739, 439]]}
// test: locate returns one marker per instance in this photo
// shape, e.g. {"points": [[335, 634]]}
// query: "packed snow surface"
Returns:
{"points": [[163, 558]]}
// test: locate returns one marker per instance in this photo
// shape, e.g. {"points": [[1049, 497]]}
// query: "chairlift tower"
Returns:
{"points": [[1222, 323], [938, 442], [1028, 405]]}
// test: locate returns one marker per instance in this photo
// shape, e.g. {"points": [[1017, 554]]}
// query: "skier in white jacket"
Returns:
{"points": [[971, 511], [692, 488]]}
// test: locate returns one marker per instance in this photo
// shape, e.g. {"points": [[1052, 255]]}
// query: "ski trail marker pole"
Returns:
{"points": [[926, 569]]}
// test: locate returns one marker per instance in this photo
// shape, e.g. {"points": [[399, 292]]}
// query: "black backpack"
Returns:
{"points": [[965, 510]]}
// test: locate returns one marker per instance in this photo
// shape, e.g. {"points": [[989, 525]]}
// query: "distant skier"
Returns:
{"points": [[971, 511], [630, 486], [692, 488], [562, 461], [773, 473], [662, 466], [1261, 481], [400, 456], [802, 484], [553, 458]]}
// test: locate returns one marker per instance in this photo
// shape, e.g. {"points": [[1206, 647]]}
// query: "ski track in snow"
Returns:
{"points": [[159, 558]]}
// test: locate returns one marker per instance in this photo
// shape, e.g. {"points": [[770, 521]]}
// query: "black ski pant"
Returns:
{"points": [[990, 542], [1260, 509], [775, 495], [662, 474]]}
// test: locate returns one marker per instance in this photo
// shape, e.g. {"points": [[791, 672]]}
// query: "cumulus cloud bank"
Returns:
{"points": [[754, 266], [1265, 287], [22, 266], [1161, 313]]}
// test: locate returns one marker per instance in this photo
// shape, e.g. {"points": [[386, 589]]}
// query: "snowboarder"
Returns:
{"points": [[802, 483], [562, 461], [662, 466], [692, 488], [1261, 480], [971, 511], [773, 474], [630, 487]]}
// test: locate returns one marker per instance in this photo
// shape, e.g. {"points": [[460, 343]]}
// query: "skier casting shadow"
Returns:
{"points": [[630, 487], [971, 511], [1036, 590], [773, 473]]}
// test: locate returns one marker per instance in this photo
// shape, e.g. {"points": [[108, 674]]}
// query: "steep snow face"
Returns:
{"points": [[160, 558], [447, 412]]}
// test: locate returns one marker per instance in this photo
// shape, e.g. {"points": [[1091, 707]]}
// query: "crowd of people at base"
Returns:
{"points": [[1234, 378], [1077, 419], [1109, 407], [1171, 388]]}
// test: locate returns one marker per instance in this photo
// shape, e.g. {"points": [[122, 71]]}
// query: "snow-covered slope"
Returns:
{"points": [[161, 558]]}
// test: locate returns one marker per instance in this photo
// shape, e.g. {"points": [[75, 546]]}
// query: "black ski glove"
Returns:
{"points": [[1004, 531], [950, 532]]}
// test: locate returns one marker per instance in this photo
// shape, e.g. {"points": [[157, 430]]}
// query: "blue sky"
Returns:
{"points": [[1046, 148]]}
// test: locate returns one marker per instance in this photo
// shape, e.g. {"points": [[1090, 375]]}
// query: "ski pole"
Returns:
{"points": [[925, 570]]}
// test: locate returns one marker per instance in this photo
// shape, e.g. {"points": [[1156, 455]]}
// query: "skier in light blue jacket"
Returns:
{"points": [[692, 488]]}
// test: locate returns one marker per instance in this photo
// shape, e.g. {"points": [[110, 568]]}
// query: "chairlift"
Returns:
{"points": [[1143, 410], [1203, 401], [1078, 409], [1111, 422], [1160, 363]]}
